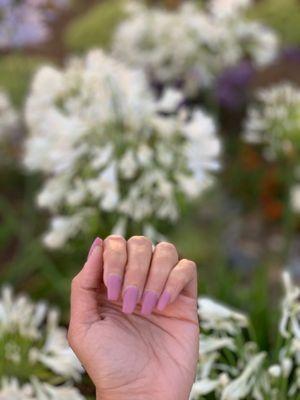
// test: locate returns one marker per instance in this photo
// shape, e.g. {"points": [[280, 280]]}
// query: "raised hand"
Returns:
{"points": [[134, 322]]}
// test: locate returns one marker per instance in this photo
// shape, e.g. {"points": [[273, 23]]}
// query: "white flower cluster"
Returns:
{"points": [[9, 118], [192, 45], [295, 198], [228, 8], [275, 119], [107, 146], [33, 341], [289, 357], [11, 389], [232, 368], [224, 369]]}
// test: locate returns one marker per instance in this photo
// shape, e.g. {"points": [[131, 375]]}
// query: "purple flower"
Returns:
{"points": [[24, 23], [291, 54], [231, 86]]}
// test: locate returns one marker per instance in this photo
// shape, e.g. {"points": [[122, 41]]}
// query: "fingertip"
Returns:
{"points": [[96, 243]]}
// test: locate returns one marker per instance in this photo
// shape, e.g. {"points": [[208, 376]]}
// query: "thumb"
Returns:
{"points": [[85, 287]]}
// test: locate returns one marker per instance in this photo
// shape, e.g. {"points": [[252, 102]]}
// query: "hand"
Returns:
{"points": [[134, 322]]}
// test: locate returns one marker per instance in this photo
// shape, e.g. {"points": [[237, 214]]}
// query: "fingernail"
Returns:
{"points": [[164, 300], [96, 242], [149, 302], [114, 283], [130, 299]]}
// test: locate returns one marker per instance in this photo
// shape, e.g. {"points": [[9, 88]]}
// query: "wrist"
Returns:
{"points": [[120, 396]]}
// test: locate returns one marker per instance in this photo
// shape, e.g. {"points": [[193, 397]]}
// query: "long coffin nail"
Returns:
{"points": [[164, 300], [114, 283], [130, 299], [149, 302], [96, 242]]}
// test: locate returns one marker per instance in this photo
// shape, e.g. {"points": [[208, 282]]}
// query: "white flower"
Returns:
{"points": [[55, 353], [32, 331], [258, 40], [11, 389], [210, 344], [275, 371], [170, 100], [295, 198], [228, 8], [106, 144], [290, 320], [20, 315], [203, 387], [44, 391], [192, 45], [204, 155], [217, 316], [63, 228], [286, 365], [275, 119], [242, 386]]}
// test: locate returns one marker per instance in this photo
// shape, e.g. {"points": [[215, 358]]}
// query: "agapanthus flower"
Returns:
{"points": [[242, 386], [191, 45], [11, 389], [274, 120], [219, 317], [230, 363], [232, 85], [32, 341], [107, 146], [25, 23], [228, 8], [295, 198]]}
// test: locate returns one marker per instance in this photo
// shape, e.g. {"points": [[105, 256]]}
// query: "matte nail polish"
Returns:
{"points": [[164, 300], [130, 299], [114, 283], [96, 242], [149, 302]]}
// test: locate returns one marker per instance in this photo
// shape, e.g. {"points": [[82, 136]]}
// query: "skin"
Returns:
{"points": [[145, 353]]}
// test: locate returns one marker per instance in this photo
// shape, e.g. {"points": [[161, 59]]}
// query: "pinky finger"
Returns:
{"points": [[182, 279]]}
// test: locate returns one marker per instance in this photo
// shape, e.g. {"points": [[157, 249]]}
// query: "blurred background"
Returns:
{"points": [[241, 224]]}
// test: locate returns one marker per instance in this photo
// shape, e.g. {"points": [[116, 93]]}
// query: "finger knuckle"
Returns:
{"points": [[173, 285], [116, 252], [159, 272]]}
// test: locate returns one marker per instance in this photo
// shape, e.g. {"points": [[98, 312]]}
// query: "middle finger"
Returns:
{"points": [[139, 253]]}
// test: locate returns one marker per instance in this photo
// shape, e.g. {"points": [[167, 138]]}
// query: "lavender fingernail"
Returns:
{"points": [[96, 242], [114, 283], [164, 300], [130, 299], [149, 302]]}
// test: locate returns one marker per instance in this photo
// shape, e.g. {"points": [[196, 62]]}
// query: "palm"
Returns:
{"points": [[138, 350]]}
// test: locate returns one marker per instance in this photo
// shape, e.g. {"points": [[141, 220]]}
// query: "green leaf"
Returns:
{"points": [[96, 27]]}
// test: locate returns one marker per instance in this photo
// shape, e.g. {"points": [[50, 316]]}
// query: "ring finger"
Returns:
{"points": [[165, 257]]}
